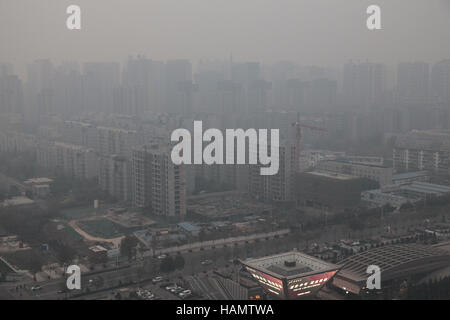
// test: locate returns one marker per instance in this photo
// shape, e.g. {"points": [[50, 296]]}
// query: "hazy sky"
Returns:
{"points": [[323, 32]]}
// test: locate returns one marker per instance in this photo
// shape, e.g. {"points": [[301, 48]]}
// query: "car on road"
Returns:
{"points": [[157, 279], [184, 295], [36, 288], [162, 256], [185, 292], [145, 294], [168, 288], [176, 290], [206, 262]]}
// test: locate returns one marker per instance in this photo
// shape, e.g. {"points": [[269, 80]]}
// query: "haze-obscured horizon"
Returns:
{"points": [[323, 32]]}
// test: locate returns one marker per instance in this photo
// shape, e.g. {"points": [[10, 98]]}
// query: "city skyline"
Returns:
{"points": [[198, 150], [309, 32]]}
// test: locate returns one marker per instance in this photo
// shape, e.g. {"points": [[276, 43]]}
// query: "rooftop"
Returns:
{"points": [[38, 181], [413, 189], [409, 175], [357, 163], [290, 265], [394, 260], [97, 248], [332, 175], [424, 187], [189, 227], [17, 201]]}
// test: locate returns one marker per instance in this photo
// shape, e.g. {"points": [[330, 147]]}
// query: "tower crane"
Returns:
{"points": [[298, 125]]}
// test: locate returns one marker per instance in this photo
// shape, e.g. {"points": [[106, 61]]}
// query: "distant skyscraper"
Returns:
{"points": [[229, 96], [11, 94], [116, 141], [322, 94], [6, 69], [258, 95], [68, 91], [179, 86], [413, 83], [136, 85], [440, 82], [364, 84], [208, 90], [99, 81]]}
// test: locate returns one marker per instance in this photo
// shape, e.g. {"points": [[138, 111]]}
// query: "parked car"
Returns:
{"points": [[157, 279], [183, 295]]}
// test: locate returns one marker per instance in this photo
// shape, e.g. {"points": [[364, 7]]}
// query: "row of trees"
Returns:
{"points": [[169, 264], [28, 223], [21, 166]]}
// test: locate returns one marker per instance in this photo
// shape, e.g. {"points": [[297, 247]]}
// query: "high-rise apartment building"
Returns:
{"points": [[158, 183], [423, 150], [413, 83], [364, 84], [116, 141], [440, 82], [115, 177], [70, 160], [278, 187]]}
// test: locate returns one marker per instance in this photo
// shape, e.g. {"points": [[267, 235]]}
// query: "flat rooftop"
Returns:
{"points": [[399, 260], [17, 201], [424, 187], [38, 181], [331, 175], [409, 175], [290, 265]]}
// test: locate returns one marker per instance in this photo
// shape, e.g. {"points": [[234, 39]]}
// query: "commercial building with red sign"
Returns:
{"points": [[290, 275]]}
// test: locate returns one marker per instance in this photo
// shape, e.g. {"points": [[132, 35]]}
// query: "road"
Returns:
{"points": [[194, 274]]}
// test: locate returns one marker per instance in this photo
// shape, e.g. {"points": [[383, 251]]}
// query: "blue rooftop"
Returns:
{"points": [[408, 175], [423, 187], [189, 227]]}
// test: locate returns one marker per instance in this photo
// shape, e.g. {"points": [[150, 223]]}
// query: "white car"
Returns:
{"points": [[163, 256], [176, 290], [157, 279], [185, 294]]}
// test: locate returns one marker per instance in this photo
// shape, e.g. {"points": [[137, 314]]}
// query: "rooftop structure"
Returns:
{"points": [[332, 175], [189, 227], [226, 206], [374, 171], [395, 261], [290, 275], [36, 181], [407, 177], [17, 201], [97, 248], [423, 150], [396, 195]]}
